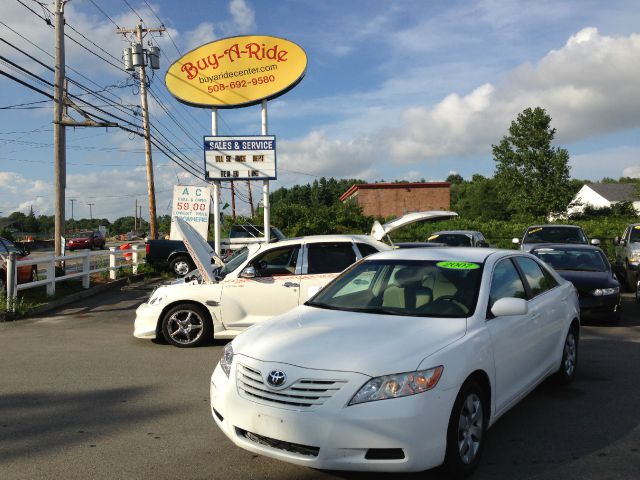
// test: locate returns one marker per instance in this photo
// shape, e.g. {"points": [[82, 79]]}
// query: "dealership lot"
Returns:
{"points": [[82, 398]]}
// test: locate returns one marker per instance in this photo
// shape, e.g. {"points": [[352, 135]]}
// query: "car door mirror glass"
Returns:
{"points": [[515, 241], [248, 272], [509, 306], [595, 241]]}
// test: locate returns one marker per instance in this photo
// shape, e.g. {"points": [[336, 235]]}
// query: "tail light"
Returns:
{"points": [[146, 248]]}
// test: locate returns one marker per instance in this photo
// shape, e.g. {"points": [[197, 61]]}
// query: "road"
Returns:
{"points": [[81, 398]]}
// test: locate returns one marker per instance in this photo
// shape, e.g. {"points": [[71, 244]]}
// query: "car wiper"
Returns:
{"points": [[322, 305]]}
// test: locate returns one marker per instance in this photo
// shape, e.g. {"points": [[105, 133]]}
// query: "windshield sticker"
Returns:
{"points": [[436, 236], [458, 265], [534, 230]]}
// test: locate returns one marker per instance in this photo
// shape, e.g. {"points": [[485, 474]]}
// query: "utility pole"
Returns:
{"points": [[90, 210], [135, 217], [233, 201], [72, 200], [59, 140], [250, 198], [139, 61]]}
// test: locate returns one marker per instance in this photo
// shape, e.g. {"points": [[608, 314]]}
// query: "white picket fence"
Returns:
{"points": [[117, 259]]}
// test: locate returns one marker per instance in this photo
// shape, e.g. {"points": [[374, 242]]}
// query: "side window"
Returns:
{"points": [[277, 261], [535, 276], [329, 257], [505, 282], [366, 249]]}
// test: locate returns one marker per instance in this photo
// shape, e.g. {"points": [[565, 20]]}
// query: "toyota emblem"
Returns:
{"points": [[276, 378]]}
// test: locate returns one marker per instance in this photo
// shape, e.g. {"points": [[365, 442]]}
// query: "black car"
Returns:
{"points": [[587, 267]]}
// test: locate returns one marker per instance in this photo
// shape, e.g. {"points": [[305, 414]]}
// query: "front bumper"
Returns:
{"points": [[146, 322], [595, 306], [402, 434]]}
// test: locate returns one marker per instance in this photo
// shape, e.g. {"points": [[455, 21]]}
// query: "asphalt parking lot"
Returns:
{"points": [[81, 398]]}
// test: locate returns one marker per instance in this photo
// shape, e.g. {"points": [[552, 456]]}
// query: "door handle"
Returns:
{"points": [[290, 284]]}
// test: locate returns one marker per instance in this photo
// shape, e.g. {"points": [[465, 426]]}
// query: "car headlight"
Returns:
{"points": [[398, 385], [227, 359], [634, 257], [157, 297], [599, 292]]}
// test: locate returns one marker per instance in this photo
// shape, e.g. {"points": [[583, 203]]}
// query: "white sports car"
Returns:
{"points": [[401, 363]]}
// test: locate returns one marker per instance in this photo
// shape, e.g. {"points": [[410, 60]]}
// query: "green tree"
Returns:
{"points": [[478, 199], [531, 175]]}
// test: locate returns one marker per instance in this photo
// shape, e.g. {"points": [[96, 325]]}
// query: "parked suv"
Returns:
{"points": [[537, 235], [627, 263]]}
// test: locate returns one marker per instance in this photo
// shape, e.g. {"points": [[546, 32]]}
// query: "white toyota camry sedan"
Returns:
{"points": [[401, 363]]}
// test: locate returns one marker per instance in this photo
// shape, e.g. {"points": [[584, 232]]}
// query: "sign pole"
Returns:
{"points": [[265, 185], [216, 190]]}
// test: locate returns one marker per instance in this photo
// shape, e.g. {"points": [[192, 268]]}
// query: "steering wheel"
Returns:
{"points": [[452, 301]]}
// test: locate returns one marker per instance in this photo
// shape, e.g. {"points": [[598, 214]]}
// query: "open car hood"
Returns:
{"points": [[379, 231], [201, 252]]}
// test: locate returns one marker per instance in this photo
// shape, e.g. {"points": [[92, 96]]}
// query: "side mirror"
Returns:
{"points": [[509, 306], [482, 243], [623, 242], [515, 241], [248, 272], [595, 241], [616, 240]]}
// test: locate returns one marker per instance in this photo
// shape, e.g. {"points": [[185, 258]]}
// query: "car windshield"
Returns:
{"points": [[79, 234], [572, 259], [400, 287], [635, 234], [451, 239], [234, 261], [555, 235]]}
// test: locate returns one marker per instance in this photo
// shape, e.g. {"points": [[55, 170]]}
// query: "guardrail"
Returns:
{"points": [[130, 255]]}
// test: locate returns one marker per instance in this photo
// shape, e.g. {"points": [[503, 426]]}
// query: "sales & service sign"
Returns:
{"points": [[240, 158], [237, 71]]}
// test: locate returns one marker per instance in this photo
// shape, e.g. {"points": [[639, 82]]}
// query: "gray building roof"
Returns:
{"points": [[616, 192]]}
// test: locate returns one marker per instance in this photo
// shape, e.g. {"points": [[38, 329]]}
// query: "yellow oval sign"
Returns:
{"points": [[237, 71]]}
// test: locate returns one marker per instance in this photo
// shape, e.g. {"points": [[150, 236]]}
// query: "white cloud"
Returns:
{"points": [[632, 171], [589, 87], [243, 16]]}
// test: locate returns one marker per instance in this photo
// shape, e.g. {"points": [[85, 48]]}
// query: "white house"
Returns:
{"points": [[602, 195]]}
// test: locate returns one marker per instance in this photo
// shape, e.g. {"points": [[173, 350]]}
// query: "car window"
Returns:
{"points": [[9, 247], [451, 239], [555, 234], [329, 257], [402, 287], [572, 259], [277, 261], [505, 282], [366, 249], [535, 276]]}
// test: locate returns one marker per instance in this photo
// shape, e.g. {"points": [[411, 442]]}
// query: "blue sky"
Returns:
{"points": [[406, 89]]}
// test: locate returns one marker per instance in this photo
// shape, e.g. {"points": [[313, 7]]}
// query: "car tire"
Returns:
{"points": [[466, 431], [186, 325], [569, 363], [181, 265]]}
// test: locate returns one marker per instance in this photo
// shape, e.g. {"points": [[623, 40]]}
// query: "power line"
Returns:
{"points": [[101, 11]]}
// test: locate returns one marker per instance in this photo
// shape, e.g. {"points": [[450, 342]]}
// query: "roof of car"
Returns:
{"points": [[455, 232], [455, 254], [327, 238], [553, 225]]}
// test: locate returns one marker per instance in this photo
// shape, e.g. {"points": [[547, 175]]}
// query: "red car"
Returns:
{"points": [[26, 273], [92, 240]]}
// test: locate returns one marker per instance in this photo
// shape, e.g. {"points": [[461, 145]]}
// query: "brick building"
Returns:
{"points": [[395, 199]]}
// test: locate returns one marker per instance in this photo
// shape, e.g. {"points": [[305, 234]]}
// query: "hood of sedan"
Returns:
{"points": [[366, 343], [583, 280]]}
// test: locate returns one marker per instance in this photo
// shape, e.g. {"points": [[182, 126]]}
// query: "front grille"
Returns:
{"points": [[279, 444], [303, 393]]}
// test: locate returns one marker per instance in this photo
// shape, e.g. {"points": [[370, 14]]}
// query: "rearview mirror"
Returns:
{"points": [[248, 272], [509, 306]]}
